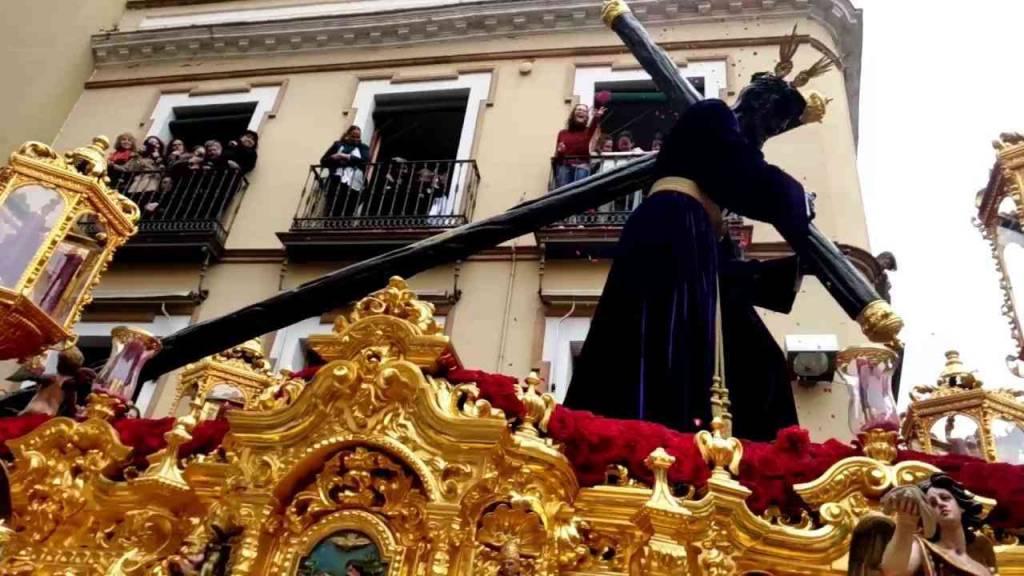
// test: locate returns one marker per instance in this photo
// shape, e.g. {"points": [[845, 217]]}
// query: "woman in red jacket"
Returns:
{"points": [[572, 152]]}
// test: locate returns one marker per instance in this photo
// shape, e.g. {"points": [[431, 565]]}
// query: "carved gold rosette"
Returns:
{"points": [[379, 452]]}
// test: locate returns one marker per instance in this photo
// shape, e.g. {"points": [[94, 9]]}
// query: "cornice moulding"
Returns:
{"points": [[459, 22]]}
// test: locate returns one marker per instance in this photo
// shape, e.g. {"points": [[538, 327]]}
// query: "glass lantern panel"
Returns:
{"points": [[27, 216], [68, 272], [1009, 439], [957, 434]]}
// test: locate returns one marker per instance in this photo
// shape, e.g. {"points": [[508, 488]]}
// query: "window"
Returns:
{"points": [[636, 106], [441, 98], [223, 122], [195, 115], [94, 342], [419, 125], [563, 341]]}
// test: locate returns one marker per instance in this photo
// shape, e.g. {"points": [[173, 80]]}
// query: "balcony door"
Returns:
{"points": [[420, 122]]}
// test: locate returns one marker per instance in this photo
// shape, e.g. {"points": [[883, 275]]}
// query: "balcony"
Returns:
{"points": [[392, 204], [594, 233], [185, 216]]}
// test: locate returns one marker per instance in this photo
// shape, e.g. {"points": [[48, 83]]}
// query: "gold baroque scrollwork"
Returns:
{"points": [[53, 466], [361, 479], [397, 301]]}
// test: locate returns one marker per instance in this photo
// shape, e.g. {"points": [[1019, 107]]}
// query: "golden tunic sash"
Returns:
{"points": [[685, 186]]}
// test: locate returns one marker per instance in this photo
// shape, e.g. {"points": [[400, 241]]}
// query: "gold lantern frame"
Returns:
{"points": [[960, 392], [1006, 182], [79, 179]]}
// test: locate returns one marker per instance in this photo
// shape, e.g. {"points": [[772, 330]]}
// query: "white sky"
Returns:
{"points": [[941, 79]]}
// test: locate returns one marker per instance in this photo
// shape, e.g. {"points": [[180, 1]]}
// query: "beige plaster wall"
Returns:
{"points": [[514, 141], [45, 48]]}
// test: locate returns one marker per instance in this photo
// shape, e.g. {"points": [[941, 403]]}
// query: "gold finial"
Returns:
{"points": [[102, 406], [720, 404], [719, 450], [880, 323], [163, 465], [956, 375], [397, 300], [659, 462], [612, 10], [91, 160], [817, 106], [537, 407]]}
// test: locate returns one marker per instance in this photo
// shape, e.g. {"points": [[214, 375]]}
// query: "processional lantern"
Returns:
{"points": [[959, 416], [1000, 218], [60, 224], [867, 371]]}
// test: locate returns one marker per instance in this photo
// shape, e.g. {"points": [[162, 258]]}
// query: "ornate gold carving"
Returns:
{"points": [[54, 463], [721, 452], [817, 107], [163, 465], [538, 407], [959, 392], [365, 480], [243, 369], [879, 444], [880, 323], [431, 475], [612, 10], [398, 301]]}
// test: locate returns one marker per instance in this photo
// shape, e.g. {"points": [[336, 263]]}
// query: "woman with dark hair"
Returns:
{"points": [[953, 549], [572, 148], [345, 161], [146, 168], [352, 568], [241, 154]]}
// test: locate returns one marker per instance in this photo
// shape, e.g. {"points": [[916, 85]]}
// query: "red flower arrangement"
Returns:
{"points": [[592, 443]]}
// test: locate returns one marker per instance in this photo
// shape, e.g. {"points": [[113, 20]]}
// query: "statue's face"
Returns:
{"points": [[945, 506]]}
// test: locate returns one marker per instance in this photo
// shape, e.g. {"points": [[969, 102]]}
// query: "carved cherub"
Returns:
{"points": [[933, 532]]}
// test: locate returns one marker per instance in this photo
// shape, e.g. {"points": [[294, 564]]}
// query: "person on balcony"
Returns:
{"points": [[241, 154], [345, 161], [124, 152], [624, 143], [146, 169], [572, 148], [651, 352]]}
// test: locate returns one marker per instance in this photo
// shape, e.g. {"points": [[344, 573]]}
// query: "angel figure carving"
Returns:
{"points": [[932, 531]]}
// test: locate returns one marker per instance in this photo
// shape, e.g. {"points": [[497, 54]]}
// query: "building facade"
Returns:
{"points": [[459, 104]]}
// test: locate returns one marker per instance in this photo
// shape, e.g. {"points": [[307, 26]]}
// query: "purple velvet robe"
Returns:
{"points": [[651, 346]]}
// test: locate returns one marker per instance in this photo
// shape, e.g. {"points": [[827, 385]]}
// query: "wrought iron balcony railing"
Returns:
{"points": [[392, 195], [570, 168], [187, 208]]}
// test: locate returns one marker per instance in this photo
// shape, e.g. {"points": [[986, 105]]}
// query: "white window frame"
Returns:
{"points": [[288, 351], [160, 326], [265, 98], [479, 86], [714, 73], [559, 334]]}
